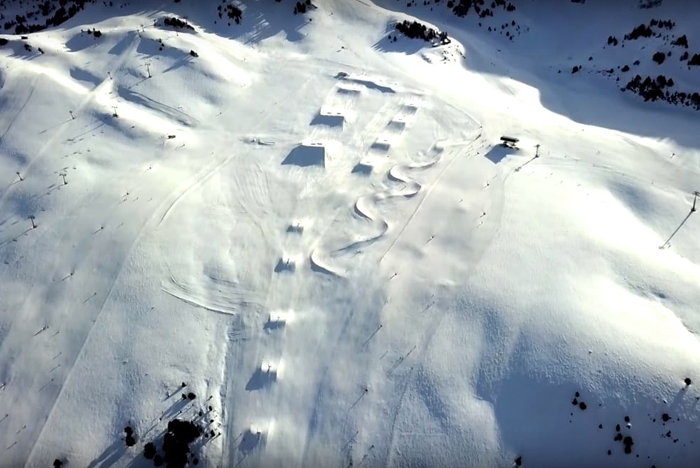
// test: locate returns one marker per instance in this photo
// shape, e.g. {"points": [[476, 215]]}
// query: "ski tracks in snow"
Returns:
{"points": [[377, 155], [318, 164], [369, 213], [328, 131], [370, 210], [316, 252]]}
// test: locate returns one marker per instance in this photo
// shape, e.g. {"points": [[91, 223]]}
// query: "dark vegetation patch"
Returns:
{"points": [[177, 23], [42, 14], [416, 30], [150, 451], [303, 7], [653, 29], [644, 30], [623, 432], [482, 8], [178, 445], [186, 432], [640, 31], [231, 12], [177, 440], [92, 32], [681, 41], [130, 438], [657, 89], [659, 57]]}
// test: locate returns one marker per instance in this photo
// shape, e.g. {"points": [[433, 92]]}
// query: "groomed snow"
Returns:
{"points": [[316, 230]]}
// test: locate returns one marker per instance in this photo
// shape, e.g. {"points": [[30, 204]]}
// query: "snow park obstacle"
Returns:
{"points": [[307, 154], [509, 142]]}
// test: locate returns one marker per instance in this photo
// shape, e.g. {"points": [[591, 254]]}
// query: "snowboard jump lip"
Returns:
{"points": [[307, 154]]}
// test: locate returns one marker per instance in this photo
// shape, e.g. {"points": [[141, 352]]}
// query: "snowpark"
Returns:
{"points": [[301, 232]]}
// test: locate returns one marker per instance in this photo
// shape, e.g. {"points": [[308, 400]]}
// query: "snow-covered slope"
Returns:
{"points": [[314, 228]]}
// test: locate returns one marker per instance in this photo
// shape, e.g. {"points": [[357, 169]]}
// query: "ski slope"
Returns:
{"points": [[315, 229]]}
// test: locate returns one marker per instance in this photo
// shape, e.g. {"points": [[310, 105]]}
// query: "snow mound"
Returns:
{"points": [[307, 154]]}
